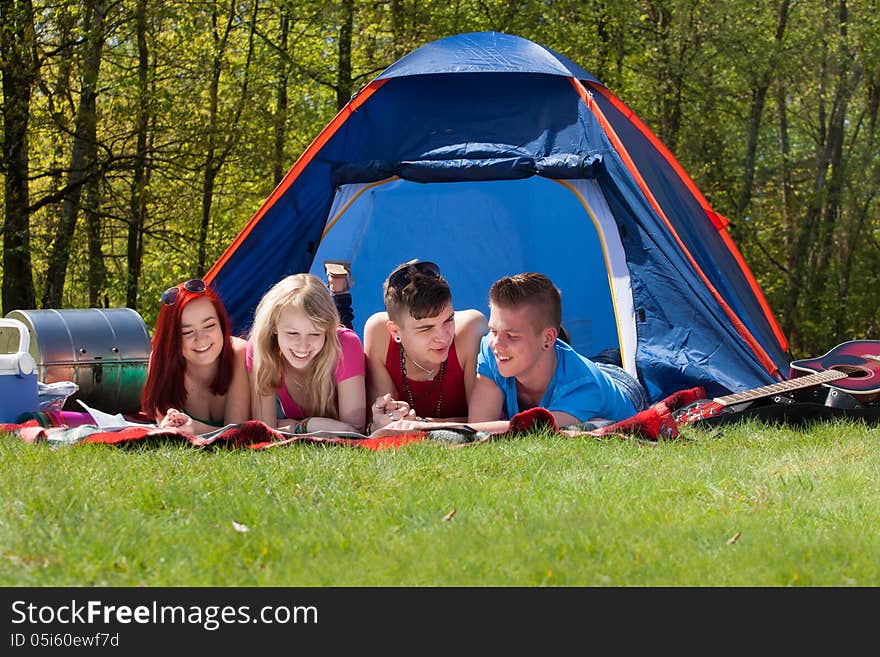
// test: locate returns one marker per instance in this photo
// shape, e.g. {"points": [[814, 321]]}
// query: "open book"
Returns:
{"points": [[108, 421]]}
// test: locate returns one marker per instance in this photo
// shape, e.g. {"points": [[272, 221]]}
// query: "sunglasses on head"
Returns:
{"points": [[195, 285], [401, 276]]}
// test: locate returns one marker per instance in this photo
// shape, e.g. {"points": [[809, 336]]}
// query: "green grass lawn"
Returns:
{"points": [[752, 505]]}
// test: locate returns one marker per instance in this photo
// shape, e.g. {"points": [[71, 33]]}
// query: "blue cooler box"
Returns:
{"points": [[18, 372]]}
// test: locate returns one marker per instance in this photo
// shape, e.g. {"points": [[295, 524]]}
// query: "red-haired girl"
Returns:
{"points": [[196, 379]]}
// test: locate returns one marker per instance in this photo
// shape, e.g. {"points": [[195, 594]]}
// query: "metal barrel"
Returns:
{"points": [[105, 351]]}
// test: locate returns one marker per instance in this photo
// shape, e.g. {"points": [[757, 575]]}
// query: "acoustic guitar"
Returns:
{"points": [[852, 367]]}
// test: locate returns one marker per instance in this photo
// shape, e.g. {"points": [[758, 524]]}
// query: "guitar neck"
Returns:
{"points": [[797, 383]]}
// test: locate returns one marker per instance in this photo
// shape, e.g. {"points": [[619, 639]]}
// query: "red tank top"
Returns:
{"points": [[427, 393]]}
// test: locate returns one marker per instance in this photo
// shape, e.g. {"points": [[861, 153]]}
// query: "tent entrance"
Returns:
{"points": [[480, 231]]}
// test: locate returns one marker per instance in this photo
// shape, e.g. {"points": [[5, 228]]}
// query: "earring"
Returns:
{"points": [[546, 347], [397, 338]]}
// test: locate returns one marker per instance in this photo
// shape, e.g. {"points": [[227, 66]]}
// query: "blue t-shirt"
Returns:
{"points": [[578, 386]]}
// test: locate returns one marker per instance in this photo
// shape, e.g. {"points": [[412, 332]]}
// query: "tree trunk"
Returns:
{"points": [[861, 208], [759, 95], [785, 164], [137, 197], [810, 257], [83, 155], [343, 70], [398, 30], [847, 79], [97, 276], [668, 75], [281, 101], [611, 51], [215, 159], [57, 103], [18, 68], [210, 167]]}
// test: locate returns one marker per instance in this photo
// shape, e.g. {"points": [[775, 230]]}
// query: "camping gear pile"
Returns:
{"points": [[98, 355]]}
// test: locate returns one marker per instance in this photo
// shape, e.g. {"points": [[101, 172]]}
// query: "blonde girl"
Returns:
{"points": [[307, 370]]}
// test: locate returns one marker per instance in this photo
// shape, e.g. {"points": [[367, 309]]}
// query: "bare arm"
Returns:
{"points": [[381, 387], [263, 407], [352, 404], [486, 402], [495, 426], [238, 397], [487, 405], [237, 403], [471, 328], [352, 408], [376, 350], [564, 419], [500, 426]]}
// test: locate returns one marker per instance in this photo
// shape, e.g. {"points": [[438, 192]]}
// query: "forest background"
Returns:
{"points": [[139, 136]]}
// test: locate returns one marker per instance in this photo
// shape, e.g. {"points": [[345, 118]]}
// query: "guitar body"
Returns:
{"points": [[852, 367], [700, 410], [858, 359]]}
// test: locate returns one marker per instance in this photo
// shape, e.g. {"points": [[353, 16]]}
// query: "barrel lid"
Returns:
{"points": [[85, 335]]}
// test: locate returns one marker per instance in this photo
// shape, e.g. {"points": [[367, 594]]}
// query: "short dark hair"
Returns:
{"points": [[423, 294], [530, 289]]}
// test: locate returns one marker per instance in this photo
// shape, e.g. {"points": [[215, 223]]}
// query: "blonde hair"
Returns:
{"points": [[308, 294]]}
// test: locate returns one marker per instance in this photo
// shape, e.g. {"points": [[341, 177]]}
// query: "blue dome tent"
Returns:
{"points": [[492, 155]]}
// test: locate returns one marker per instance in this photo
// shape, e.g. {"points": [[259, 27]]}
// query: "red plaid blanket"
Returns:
{"points": [[652, 424]]}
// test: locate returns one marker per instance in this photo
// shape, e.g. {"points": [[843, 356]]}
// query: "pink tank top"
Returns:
{"points": [[351, 363]]}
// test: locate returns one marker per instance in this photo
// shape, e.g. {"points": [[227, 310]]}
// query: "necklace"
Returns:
{"points": [[294, 380], [430, 372], [439, 381]]}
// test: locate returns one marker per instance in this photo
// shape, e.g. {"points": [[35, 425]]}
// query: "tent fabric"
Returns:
{"points": [[672, 189], [363, 216], [487, 52], [491, 155]]}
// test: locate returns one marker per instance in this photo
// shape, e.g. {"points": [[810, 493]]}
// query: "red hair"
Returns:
{"points": [[164, 388]]}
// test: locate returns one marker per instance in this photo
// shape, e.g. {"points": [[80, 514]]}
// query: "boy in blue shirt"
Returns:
{"points": [[522, 364]]}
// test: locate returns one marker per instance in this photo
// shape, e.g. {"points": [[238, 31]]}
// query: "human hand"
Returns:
{"points": [[387, 409], [413, 424], [175, 419]]}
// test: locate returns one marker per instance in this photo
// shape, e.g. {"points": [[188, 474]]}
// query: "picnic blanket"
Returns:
{"points": [[652, 424]]}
